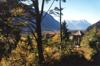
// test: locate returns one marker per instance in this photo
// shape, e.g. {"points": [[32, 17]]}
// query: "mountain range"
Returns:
{"points": [[50, 24], [97, 25], [77, 24]]}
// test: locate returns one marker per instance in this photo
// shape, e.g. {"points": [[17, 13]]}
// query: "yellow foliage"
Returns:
{"points": [[56, 38], [85, 44], [56, 56], [48, 50], [88, 37], [31, 57], [18, 10], [21, 54], [87, 52], [52, 53]]}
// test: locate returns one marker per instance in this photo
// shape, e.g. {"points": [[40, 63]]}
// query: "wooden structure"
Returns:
{"points": [[77, 38]]}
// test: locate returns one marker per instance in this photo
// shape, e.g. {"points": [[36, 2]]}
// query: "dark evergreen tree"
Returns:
{"points": [[65, 32]]}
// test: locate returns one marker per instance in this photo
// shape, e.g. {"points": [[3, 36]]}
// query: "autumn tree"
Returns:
{"points": [[12, 9], [38, 16], [9, 34], [65, 32], [85, 43]]}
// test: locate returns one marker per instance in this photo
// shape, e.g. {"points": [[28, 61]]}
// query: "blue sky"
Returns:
{"points": [[79, 10], [82, 9]]}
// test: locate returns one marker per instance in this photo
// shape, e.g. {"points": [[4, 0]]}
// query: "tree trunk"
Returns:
{"points": [[39, 40], [38, 32], [60, 21]]}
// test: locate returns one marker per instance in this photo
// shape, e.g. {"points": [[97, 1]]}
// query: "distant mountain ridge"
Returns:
{"points": [[97, 25], [77, 24], [49, 23]]}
